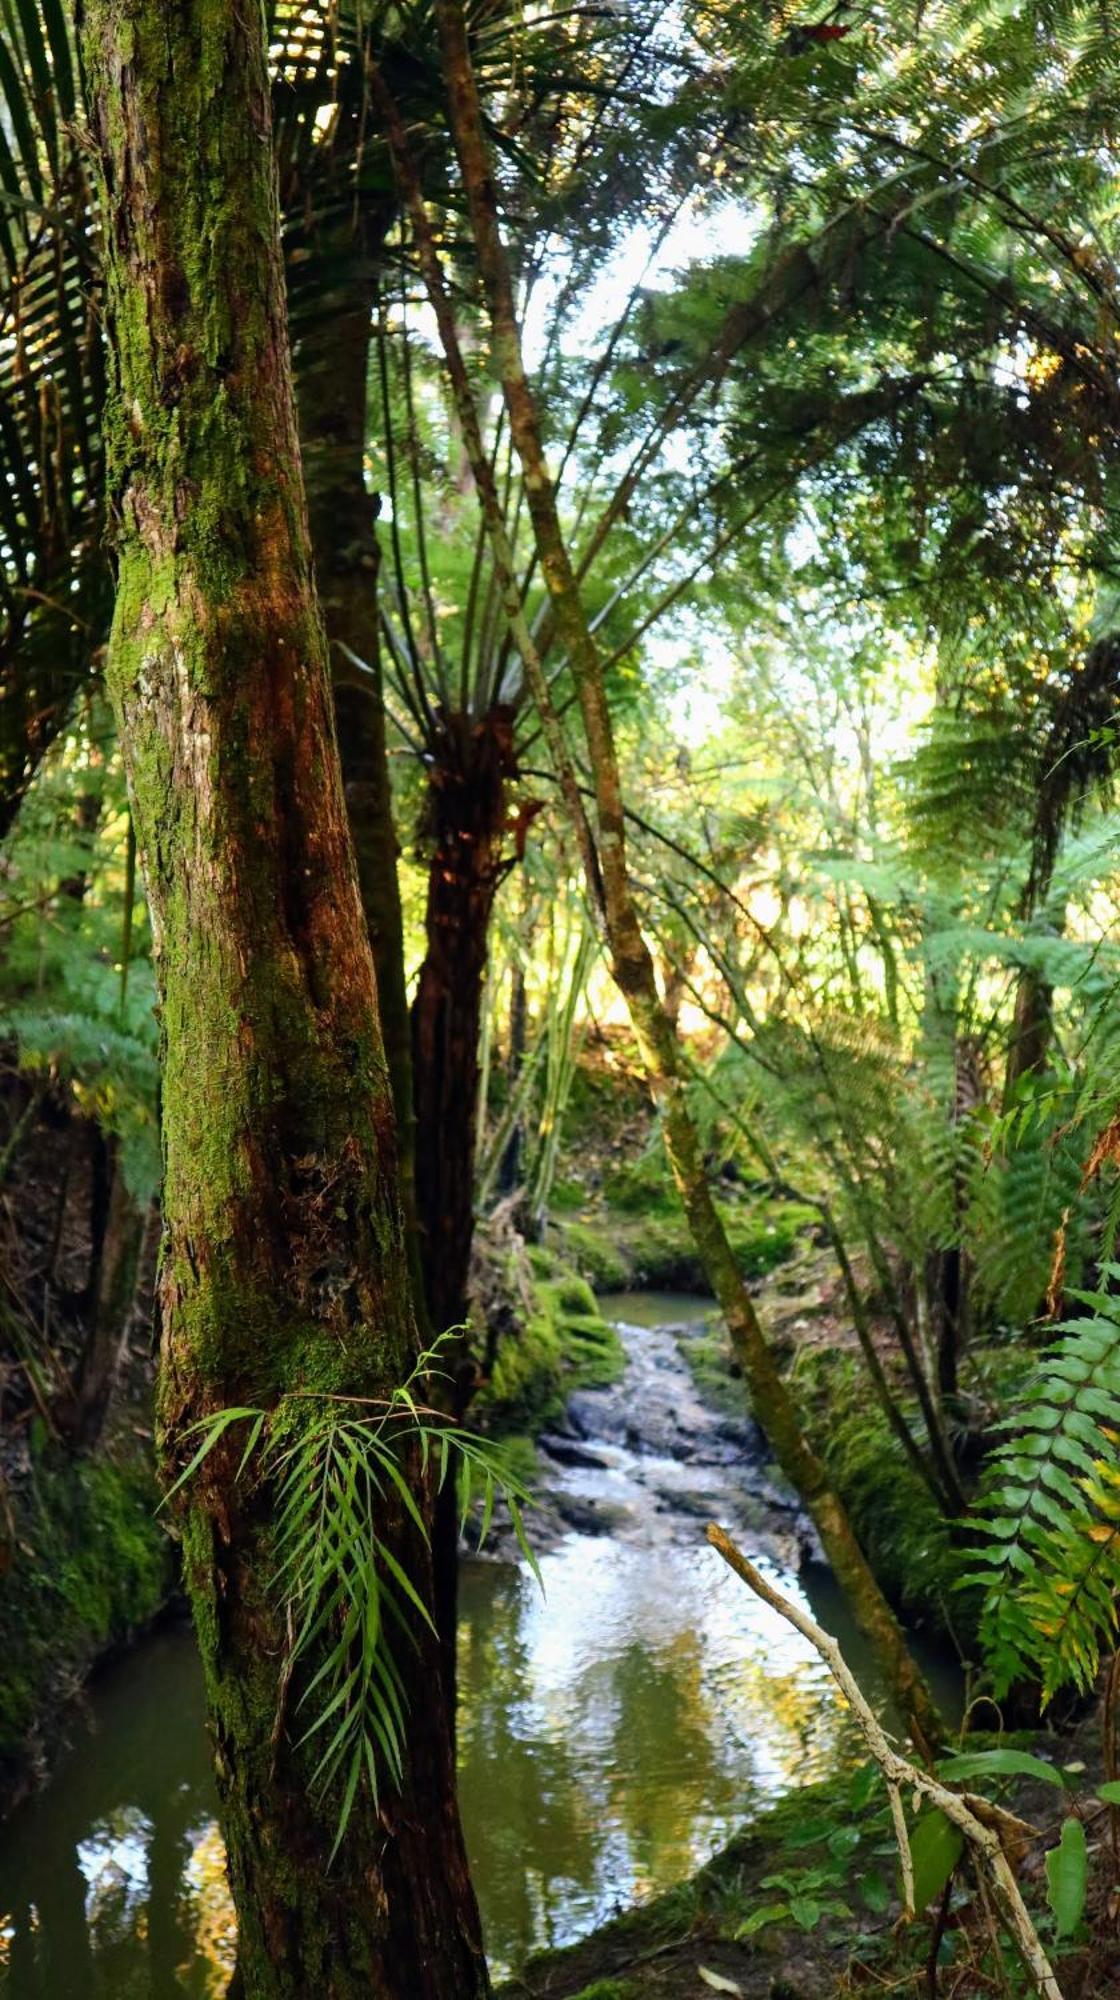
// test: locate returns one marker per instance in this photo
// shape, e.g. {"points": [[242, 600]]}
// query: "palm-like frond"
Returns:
{"points": [[54, 586]]}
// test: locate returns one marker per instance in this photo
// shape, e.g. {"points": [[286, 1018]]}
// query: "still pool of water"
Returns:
{"points": [[613, 1731]]}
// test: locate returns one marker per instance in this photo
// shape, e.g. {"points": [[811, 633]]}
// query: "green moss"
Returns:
{"points": [[567, 1195], [643, 1185], [563, 1344], [606, 1989], [709, 1357], [571, 1294], [592, 1253], [92, 1563], [655, 1249], [524, 1389]]}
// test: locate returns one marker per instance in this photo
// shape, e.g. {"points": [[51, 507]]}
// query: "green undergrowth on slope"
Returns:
{"points": [[805, 1903], [623, 1248], [91, 1563]]}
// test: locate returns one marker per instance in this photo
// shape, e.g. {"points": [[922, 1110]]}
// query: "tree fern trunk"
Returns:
{"points": [[283, 1263]]}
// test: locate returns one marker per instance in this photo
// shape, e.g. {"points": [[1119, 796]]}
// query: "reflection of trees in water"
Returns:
{"points": [[530, 1834], [93, 1871], [666, 1764], [118, 1909], [583, 1785], [585, 1778]]}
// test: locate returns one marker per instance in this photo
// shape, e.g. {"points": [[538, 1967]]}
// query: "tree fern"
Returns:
{"points": [[1049, 1534]]}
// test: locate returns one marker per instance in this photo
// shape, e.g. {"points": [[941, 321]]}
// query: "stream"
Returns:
{"points": [[613, 1731]]}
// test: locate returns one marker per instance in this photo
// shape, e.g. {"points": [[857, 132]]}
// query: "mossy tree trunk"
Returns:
{"points": [[465, 828], [631, 960], [283, 1263]]}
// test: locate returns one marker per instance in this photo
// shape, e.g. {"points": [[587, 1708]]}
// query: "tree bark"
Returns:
{"points": [[466, 827], [432, 1048], [1032, 1025], [283, 1265], [631, 961], [331, 361], [116, 1264]]}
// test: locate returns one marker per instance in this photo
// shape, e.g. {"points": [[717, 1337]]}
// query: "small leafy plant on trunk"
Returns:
{"points": [[332, 1465]]}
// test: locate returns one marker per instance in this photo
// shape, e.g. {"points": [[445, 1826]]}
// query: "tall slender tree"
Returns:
{"points": [[283, 1268]]}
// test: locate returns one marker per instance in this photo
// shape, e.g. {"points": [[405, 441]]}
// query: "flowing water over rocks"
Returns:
{"points": [[648, 1459], [615, 1727]]}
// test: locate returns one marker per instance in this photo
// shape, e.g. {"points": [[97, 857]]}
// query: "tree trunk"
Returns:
{"points": [[465, 816], [432, 1051], [472, 764], [631, 961], [1032, 1026], [331, 363], [509, 1171], [283, 1267], [116, 1265]]}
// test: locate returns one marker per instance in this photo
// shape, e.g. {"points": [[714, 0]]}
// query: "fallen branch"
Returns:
{"points": [[899, 1774]]}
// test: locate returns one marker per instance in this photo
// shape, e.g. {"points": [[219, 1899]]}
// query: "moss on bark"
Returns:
{"points": [[283, 1265]]}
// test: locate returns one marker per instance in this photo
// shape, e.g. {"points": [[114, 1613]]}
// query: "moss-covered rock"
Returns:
{"points": [[91, 1564], [556, 1342], [590, 1250]]}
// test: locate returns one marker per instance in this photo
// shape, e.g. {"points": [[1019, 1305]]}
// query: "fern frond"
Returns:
{"points": [[1049, 1549], [338, 1467]]}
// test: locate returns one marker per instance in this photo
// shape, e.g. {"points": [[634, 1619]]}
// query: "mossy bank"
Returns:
{"points": [[89, 1566]]}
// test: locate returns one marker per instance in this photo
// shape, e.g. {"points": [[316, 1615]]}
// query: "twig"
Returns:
{"points": [[899, 1774]]}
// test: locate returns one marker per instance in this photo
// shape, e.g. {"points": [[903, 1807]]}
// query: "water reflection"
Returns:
{"points": [[112, 1882], [634, 1717], [612, 1734]]}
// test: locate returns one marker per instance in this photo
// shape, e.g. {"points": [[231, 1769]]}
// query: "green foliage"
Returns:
{"points": [[830, 1840], [643, 1186], [1027, 1188], [1067, 1877], [908, 1540], [936, 1845], [76, 988], [337, 1469], [999, 1763], [1048, 1548], [90, 1564]]}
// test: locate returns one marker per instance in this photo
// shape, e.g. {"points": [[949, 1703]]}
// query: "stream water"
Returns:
{"points": [[614, 1729]]}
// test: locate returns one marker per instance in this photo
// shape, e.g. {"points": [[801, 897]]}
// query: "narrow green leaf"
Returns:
{"points": [[1067, 1877], [935, 1848], [999, 1764], [215, 1428]]}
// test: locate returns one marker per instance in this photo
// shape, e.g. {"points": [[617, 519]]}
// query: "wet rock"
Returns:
{"points": [[572, 1451], [593, 1413], [592, 1516]]}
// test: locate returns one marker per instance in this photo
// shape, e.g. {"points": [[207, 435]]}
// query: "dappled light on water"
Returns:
{"points": [[614, 1733]]}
